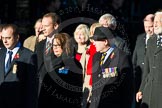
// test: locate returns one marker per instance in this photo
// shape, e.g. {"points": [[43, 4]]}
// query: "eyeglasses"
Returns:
{"points": [[56, 45]]}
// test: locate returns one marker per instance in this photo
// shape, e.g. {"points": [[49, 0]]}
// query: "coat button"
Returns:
{"points": [[154, 67], [99, 75]]}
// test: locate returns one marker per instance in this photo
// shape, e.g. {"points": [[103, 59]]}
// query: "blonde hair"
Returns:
{"points": [[84, 29], [92, 28]]}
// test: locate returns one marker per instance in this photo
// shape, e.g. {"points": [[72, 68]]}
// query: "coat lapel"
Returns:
{"points": [[158, 49], [2, 65], [96, 65], [109, 59], [16, 58], [40, 53], [143, 44]]}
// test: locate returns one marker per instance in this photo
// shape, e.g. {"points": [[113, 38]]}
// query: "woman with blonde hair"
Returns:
{"points": [[81, 36], [89, 55], [90, 52]]}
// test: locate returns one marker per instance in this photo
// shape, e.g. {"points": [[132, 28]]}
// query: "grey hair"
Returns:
{"points": [[110, 18]]}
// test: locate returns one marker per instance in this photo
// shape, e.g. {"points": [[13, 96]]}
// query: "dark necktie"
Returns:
{"points": [[48, 47], [102, 58], [159, 41], [8, 61]]}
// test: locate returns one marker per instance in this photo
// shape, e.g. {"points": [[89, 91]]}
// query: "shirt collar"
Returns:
{"points": [[15, 49], [108, 52], [147, 36], [50, 38]]}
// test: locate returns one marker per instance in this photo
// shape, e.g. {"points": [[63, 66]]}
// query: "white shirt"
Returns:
{"points": [[14, 52], [108, 52], [147, 37]]}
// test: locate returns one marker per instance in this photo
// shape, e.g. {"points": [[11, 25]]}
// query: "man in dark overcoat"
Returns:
{"points": [[112, 79], [150, 89]]}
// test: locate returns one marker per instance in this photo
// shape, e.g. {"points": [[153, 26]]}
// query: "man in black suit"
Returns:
{"points": [[50, 23], [150, 89], [18, 67], [140, 51], [112, 76]]}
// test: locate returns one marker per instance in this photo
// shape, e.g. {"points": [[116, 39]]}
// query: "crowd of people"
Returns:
{"points": [[94, 68]]}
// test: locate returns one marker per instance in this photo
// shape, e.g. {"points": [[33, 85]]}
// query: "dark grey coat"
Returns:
{"points": [[151, 86], [138, 59], [112, 92]]}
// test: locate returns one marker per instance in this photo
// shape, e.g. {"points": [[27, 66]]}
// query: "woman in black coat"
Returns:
{"points": [[64, 85]]}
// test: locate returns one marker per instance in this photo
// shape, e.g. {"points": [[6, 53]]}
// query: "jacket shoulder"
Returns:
{"points": [[141, 36], [27, 51]]}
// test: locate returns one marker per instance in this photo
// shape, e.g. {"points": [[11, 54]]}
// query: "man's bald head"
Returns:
{"points": [[148, 24], [149, 17]]}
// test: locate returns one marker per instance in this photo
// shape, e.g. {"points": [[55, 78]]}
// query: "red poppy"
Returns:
{"points": [[112, 55], [17, 56]]}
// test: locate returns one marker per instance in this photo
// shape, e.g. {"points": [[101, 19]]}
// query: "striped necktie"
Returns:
{"points": [[102, 58], [48, 47]]}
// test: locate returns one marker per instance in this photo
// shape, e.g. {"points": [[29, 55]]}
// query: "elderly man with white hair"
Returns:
{"points": [[150, 90], [108, 20]]}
